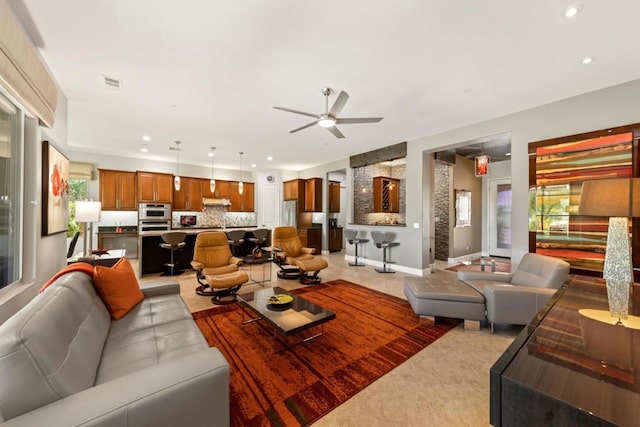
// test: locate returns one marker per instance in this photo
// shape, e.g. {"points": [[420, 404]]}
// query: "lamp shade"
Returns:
{"points": [[87, 211], [618, 197]]}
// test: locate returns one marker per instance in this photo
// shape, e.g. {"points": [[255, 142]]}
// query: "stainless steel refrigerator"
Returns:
{"points": [[290, 213]]}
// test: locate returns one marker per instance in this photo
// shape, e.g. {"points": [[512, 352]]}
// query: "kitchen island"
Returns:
{"points": [[152, 257]]}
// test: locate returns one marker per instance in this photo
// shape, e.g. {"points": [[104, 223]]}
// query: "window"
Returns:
{"points": [[77, 191], [10, 194]]}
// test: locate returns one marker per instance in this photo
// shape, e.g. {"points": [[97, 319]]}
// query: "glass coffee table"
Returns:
{"points": [[293, 318], [265, 261]]}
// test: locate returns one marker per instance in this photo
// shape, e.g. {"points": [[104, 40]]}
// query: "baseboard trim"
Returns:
{"points": [[391, 266]]}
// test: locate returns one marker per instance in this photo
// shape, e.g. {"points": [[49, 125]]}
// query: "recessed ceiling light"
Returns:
{"points": [[146, 138], [269, 158], [253, 165], [144, 148], [572, 11], [586, 60], [507, 154]]}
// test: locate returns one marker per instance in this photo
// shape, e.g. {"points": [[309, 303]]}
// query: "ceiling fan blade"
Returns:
{"points": [[304, 127], [337, 106], [335, 132], [359, 120], [297, 112]]}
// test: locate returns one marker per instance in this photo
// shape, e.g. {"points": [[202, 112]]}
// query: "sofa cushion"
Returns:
{"points": [[118, 287], [540, 271], [52, 347], [159, 329]]}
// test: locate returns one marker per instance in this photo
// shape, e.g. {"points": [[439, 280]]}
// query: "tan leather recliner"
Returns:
{"points": [[295, 261], [216, 268]]}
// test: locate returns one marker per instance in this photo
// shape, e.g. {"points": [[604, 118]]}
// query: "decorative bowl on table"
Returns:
{"points": [[279, 301]]}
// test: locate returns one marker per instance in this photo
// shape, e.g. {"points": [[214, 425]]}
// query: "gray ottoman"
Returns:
{"points": [[443, 295]]}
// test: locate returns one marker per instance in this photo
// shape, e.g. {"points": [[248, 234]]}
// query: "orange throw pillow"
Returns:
{"points": [[118, 287]]}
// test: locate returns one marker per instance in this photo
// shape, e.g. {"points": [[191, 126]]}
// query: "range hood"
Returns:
{"points": [[215, 201]]}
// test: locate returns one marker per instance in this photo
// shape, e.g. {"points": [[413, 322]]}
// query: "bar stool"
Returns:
{"points": [[380, 240], [260, 238], [353, 239], [235, 239], [173, 240]]}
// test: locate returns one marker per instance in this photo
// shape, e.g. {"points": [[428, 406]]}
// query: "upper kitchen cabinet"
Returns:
{"points": [[386, 195], [242, 202], [118, 190], [155, 187], [223, 189], [294, 190], [334, 196], [189, 197], [313, 195]]}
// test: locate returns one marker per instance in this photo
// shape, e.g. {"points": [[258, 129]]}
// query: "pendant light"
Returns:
{"points": [[212, 182], [241, 184], [176, 179]]}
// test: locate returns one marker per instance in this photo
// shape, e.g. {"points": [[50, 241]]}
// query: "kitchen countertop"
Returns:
{"points": [[381, 225], [190, 230]]}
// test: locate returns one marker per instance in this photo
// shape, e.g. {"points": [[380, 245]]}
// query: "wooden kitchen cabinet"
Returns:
{"points": [[223, 189], [386, 195], [189, 197], [335, 239], [334, 196], [118, 190], [155, 187], [311, 238], [242, 202], [294, 190], [313, 195]]}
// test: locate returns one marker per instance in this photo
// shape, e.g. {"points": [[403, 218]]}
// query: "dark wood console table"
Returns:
{"points": [[572, 365]]}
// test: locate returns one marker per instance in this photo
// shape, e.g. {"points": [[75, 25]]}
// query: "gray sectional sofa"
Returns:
{"points": [[495, 297], [65, 362]]}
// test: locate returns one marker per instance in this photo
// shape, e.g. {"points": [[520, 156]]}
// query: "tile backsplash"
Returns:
{"points": [[217, 216]]}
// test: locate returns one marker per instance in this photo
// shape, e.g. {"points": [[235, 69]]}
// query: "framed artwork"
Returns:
{"points": [[55, 190]]}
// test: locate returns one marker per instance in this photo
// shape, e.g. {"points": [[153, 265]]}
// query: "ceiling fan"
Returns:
{"points": [[330, 118]]}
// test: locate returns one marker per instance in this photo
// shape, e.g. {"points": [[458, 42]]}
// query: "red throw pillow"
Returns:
{"points": [[118, 287]]}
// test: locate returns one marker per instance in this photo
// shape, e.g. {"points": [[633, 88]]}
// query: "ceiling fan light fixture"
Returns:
{"points": [[326, 122]]}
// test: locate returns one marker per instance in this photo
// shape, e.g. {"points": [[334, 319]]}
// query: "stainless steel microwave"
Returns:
{"points": [[157, 211]]}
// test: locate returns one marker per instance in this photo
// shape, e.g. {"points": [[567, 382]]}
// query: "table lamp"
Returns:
{"points": [[88, 213], [618, 199]]}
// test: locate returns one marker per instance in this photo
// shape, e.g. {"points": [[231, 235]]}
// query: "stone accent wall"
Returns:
{"points": [[217, 216], [441, 201], [363, 194]]}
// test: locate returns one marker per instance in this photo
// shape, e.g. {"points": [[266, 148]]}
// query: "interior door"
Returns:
{"points": [[270, 206], [500, 217]]}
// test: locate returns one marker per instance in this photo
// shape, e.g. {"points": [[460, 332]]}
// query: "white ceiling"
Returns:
{"points": [[209, 72]]}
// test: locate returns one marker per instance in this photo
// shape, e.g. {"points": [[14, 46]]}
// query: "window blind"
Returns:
{"points": [[80, 170], [22, 73]]}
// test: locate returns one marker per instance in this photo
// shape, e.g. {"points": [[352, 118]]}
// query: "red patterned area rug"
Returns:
{"points": [[372, 333], [502, 266]]}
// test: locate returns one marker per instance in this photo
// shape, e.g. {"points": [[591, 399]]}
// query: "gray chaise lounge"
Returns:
{"points": [[496, 297]]}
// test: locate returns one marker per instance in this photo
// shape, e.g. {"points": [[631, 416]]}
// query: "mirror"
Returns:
{"points": [[463, 208]]}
